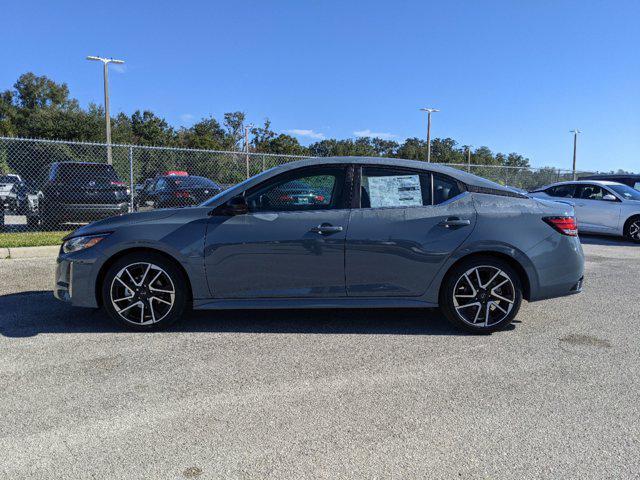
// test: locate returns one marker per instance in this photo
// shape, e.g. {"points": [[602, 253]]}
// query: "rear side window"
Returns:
{"points": [[565, 191], [444, 188], [389, 187]]}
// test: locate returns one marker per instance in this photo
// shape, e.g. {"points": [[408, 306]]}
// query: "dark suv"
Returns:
{"points": [[628, 179], [80, 192]]}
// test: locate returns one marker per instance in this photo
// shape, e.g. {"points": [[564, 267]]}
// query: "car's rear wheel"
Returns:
{"points": [[144, 291], [632, 229], [481, 295]]}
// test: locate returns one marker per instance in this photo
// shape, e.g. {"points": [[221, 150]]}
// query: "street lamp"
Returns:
{"points": [[575, 132], [247, 127], [429, 112], [105, 63]]}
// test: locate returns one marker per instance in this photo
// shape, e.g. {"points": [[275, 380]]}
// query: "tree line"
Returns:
{"points": [[39, 107]]}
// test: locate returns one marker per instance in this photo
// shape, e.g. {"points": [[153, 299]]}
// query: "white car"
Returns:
{"points": [[602, 207]]}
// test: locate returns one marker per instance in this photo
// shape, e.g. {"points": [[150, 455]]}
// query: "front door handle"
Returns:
{"points": [[455, 222], [326, 229]]}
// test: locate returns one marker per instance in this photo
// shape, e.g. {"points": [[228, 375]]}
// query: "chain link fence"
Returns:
{"points": [[58, 185]]}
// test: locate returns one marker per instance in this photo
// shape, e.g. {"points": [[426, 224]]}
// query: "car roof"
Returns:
{"points": [[603, 183], [464, 177]]}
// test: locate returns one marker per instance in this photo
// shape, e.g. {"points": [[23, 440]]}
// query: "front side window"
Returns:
{"points": [[589, 192], [319, 189], [382, 187], [636, 186], [626, 192]]}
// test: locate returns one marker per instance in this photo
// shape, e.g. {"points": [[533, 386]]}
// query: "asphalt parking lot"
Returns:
{"points": [[324, 394]]}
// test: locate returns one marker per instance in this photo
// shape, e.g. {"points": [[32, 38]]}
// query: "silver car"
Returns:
{"points": [[379, 233], [602, 207]]}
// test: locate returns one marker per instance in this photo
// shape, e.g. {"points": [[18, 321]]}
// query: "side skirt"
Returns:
{"points": [[286, 303]]}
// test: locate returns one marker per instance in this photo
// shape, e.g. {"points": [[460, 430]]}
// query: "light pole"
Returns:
{"points": [[107, 118], [468, 158], [429, 112], [575, 132], [246, 145]]}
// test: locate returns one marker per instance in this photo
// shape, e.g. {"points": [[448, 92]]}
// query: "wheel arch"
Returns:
{"points": [[525, 281], [114, 258]]}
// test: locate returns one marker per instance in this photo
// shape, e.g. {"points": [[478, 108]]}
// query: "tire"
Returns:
{"points": [[465, 299], [632, 229], [162, 276]]}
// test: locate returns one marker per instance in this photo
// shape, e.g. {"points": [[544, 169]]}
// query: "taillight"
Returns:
{"points": [[319, 198], [564, 225], [118, 184], [286, 198], [182, 194]]}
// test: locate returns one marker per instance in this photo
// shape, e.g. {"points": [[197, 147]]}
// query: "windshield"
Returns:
{"points": [[626, 192]]}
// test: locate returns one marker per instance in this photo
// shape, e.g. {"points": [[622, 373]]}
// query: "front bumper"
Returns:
{"points": [[75, 281]]}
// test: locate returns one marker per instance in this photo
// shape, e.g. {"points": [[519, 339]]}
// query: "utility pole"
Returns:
{"points": [[246, 146], [575, 132], [429, 112], [107, 117]]}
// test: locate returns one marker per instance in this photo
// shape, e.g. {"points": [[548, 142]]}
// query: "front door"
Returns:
{"points": [[407, 225], [290, 244], [593, 213]]}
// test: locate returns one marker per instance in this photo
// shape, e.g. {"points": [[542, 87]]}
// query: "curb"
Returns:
{"points": [[29, 252]]}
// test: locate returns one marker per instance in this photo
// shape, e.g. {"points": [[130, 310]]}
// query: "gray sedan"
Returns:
{"points": [[602, 207], [375, 233]]}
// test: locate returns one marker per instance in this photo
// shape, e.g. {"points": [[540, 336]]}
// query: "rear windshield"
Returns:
{"points": [[8, 179], [193, 182], [83, 172]]}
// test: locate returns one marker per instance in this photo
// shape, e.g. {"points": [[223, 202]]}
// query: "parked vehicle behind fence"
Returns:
{"points": [[175, 190], [77, 192], [602, 207], [386, 233]]}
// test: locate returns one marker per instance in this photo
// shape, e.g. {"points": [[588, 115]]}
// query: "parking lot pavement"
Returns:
{"points": [[324, 394]]}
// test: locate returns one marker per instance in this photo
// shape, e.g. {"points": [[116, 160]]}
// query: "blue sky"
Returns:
{"points": [[513, 75]]}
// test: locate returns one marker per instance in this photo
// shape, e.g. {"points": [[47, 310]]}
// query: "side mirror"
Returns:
{"points": [[609, 197], [233, 206]]}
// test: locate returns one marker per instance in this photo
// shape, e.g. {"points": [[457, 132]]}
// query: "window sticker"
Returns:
{"points": [[396, 191]]}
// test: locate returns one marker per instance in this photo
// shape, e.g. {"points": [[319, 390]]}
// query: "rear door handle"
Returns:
{"points": [[326, 229], [455, 222]]}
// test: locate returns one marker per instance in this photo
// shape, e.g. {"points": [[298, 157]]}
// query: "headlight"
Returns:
{"points": [[80, 243]]}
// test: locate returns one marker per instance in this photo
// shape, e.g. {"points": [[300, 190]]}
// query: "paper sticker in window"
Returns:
{"points": [[395, 191]]}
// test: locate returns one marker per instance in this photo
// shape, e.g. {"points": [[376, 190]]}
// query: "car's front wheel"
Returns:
{"points": [[144, 291], [632, 229], [481, 295]]}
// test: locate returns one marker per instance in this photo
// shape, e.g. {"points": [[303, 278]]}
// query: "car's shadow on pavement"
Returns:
{"points": [[28, 314]]}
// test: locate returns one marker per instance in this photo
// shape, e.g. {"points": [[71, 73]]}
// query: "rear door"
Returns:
{"points": [[593, 212], [405, 224]]}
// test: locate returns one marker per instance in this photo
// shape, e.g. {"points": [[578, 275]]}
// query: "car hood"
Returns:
{"points": [[112, 223]]}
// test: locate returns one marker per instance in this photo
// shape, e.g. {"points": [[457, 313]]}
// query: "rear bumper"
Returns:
{"points": [[559, 263], [88, 211]]}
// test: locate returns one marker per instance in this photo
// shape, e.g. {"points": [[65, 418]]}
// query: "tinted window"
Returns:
{"points": [[444, 188], [589, 192], [8, 179], [85, 172], [390, 187], [565, 191], [193, 182], [309, 190]]}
